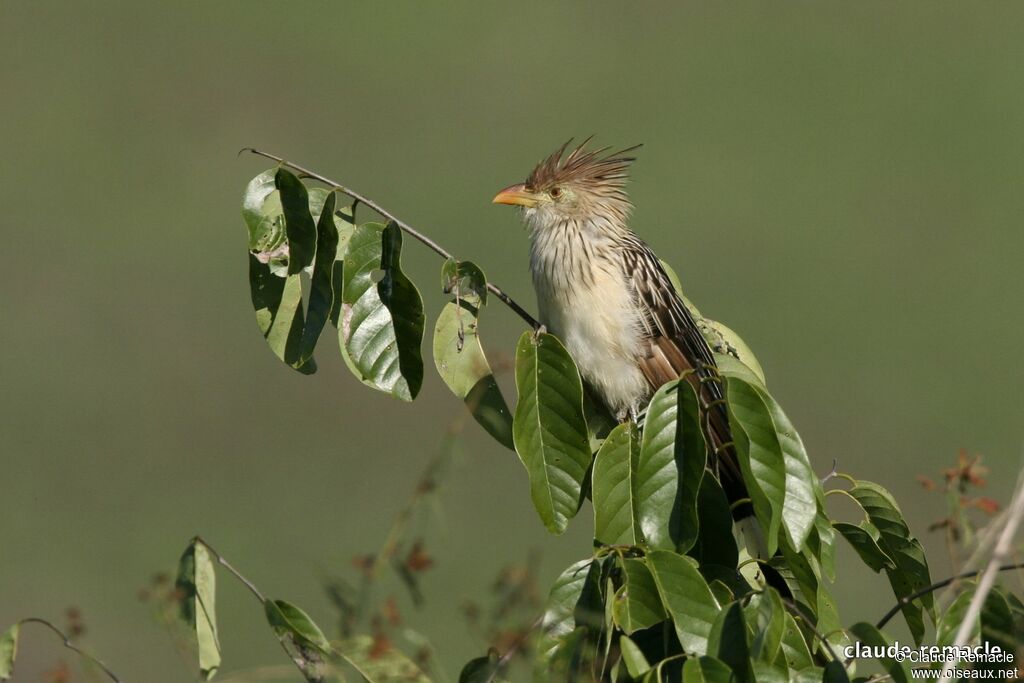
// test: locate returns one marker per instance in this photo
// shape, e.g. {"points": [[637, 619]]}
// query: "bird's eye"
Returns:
{"points": [[555, 192]]}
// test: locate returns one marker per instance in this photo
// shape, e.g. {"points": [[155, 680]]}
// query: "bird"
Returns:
{"points": [[606, 295]]}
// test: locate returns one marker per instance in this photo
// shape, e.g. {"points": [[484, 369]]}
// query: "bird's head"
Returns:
{"points": [[583, 186]]}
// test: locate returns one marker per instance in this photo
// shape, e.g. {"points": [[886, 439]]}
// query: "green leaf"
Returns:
{"points": [[321, 287], [949, 622], [459, 356], [274, 272], [576, 592], [715, 543], [549, 430], [633, 657], [381, 323], [288, 621], [197, 585], [686, 597], [299, 225], [670, 467], [770, 444], [864, 539], [870, 636], [637, 604], [379, 667], [344, 221], [264, 218], [465, 281], [895, 540], [706, 670], [768, 619], [766, 673], [759, 454], [998, 627], [8, 651], [728, 641], [481, 669], [835, 673], [723, 340], [612, 488], [794, 653]]}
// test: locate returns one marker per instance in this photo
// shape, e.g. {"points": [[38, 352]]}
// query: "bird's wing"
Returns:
{"points": [[674, 345]]}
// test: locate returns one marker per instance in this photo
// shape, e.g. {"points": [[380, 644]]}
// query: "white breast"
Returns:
{"points": [[585, 302]]}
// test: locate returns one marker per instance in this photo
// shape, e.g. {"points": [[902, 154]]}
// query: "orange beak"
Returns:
{"points": [[516, 195]]}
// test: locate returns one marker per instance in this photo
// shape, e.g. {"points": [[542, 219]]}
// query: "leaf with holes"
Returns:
{"points": [[549, 429], [381, 323], [197, 585], [459, 356]]}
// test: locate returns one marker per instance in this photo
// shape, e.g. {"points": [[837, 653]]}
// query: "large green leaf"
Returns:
{"points": [[381, 322], [870, 636], [459, 356], [377, 666], [9, 651], [771, 440], [637, 602], [686, 597], [613, 488], [197, 585], [759, 454], [549, 430], [670, 467], [895, 540]]}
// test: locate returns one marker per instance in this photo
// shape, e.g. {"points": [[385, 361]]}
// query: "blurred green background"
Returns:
{"points": [[841, 183]]}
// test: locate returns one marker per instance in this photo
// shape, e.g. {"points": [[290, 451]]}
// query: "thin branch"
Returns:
{"points": [[1001, 552], [408, 229], [238, 575], [906, 600], [506, 658], [71, 646]]}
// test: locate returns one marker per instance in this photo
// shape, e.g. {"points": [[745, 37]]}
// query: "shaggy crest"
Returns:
{"points": [[592, 169]]}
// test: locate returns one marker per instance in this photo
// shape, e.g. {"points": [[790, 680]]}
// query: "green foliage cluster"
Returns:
{"points": [[673, 588]]}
